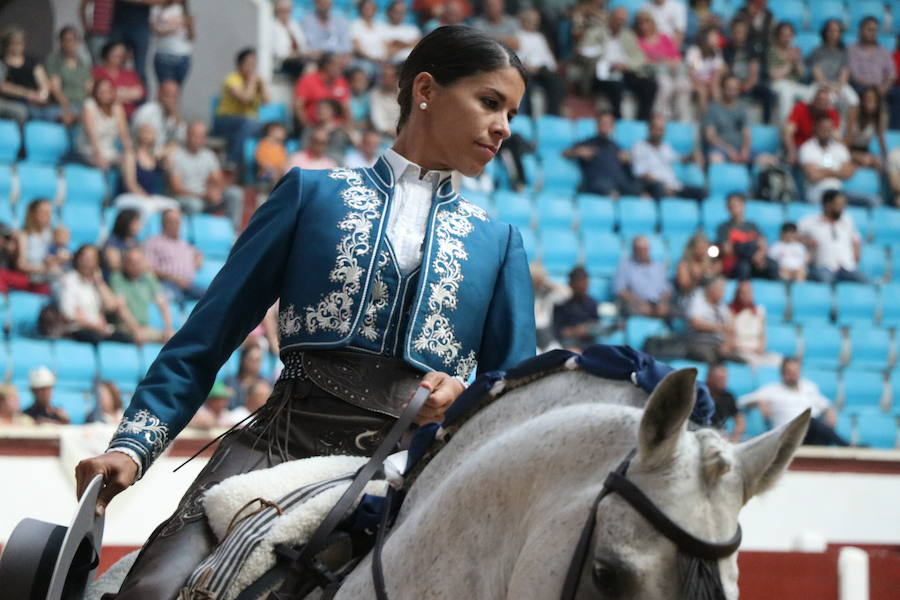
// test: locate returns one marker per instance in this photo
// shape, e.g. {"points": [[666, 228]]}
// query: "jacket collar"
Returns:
{"points": [[392, 166]]}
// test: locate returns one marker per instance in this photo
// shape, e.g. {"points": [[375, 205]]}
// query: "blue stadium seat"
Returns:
{"points": [[83, 221], [45, 143], [681, 136], [768, 216], [631, 5], [585, 128], [845, 426], [886, 225], [25, 355], [24, 309], [755, 423], [824, 346], [862, 389], [690, 174], [890, 308], [78, 404], [826, 10], [862, 218], [209, 269], [84, 185], [870, 347], [857, 303], [560, 250], [627, 133], [480, 198], [872, 262], [6, 206], [741, 380], [638, 329], [659, 251], [876, 429], [860, 9], [560, 175], [864, 182], [782, 338], [792, 11], [76, 362], [797, 211], [514, 208], [773, 296], [595, 213], [891, 136], [213, 235], [530, 243], [524, 126], [825, 379], [764, 138], [811, 302], [702, 368], [10, 141], [726, 178], [767, 374], [120, 363], [35, 181], [676, 242], [554, 133], [636, 216], [148, 353], [807, 41], [602, 253], [555, 212], [273, 111], [678, 216], [725, 9], [600, 289], [713, 212]]}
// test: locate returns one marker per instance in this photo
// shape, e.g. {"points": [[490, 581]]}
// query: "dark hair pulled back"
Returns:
{"points": [[449, 54]]}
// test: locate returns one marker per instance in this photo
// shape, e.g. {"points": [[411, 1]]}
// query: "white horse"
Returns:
{"points": [[498, 512]]}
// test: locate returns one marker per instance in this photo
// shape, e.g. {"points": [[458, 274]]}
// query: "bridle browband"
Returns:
{"points": [[616, 481]]}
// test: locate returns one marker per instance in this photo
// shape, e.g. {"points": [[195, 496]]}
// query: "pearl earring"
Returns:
{"points": [[423, 105]]}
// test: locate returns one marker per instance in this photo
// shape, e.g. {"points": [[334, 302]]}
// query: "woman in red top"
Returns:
{"points": [[662, 54], [129, 89]]}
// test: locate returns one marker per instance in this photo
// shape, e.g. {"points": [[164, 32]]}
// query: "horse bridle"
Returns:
{"points": [[686, 542]]}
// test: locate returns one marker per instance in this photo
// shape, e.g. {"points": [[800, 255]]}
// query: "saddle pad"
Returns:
{"points": [[303, 491]]}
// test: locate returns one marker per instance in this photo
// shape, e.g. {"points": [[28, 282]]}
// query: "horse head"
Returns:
{"points": [[698, 481]]}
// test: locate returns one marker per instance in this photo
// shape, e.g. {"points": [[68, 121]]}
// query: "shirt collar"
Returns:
{"points": [[406, 169]]}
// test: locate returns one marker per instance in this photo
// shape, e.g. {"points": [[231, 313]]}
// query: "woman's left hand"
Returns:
{"points": [[444, 391]]}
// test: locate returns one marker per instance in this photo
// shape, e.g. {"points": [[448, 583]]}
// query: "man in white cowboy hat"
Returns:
{"points": [[41, 381]]}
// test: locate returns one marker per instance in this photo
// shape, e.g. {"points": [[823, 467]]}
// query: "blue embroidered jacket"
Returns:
{"points": [[320, 245]]}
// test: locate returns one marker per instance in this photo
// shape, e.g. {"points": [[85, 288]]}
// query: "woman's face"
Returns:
{"points": [[16, 44], [832, 33], [105, 93], [785, 36], [134, 228], [700, 248], [644, 25], [87, 262], [116, 56], [146, 136], [42, 214], [711, 39], [468, 120], [253, 361], [248, 65], [870, 101], [745, 293]]}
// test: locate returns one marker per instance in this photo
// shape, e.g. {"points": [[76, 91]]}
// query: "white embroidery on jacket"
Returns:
{"points": [[149, 428], [379, 300], [334, 312], [466, 365], [288, 322], [437, 335]]}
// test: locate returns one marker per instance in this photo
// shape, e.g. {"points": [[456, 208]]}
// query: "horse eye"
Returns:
{"points": [[606, 578]]}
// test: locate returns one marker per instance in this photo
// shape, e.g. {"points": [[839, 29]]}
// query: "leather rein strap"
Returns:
{"points": [[686, 542]]}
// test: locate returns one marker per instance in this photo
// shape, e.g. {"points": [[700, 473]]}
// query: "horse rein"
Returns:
{"points": [[616, 481]]}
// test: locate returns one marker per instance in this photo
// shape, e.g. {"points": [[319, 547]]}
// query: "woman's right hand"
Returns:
{"points": [[119, 473]]}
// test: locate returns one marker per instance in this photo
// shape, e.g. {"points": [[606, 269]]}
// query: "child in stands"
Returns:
{"points": [[790, 254]]}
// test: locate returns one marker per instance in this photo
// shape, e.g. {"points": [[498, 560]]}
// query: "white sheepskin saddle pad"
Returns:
{"points": [[251, 513]]}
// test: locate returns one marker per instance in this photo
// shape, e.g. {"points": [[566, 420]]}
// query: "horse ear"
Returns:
{"points": [[667, 410], [764, 458]]}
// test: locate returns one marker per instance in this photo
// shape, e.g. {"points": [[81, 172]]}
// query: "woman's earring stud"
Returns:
{"points": [[423, 105]]}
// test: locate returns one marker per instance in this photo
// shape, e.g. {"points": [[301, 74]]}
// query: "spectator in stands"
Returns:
{"points": [[762, 23], [696, 267], [59, 252], [673, 95], [360, 100], [108, 406], [103, 124], [289, 48], [575, 321], [547, 294], [164, 115], [743, 246], [173, 260], [710, 326], [893, 172], [749, 322], [84, 299], [399, 36], [314, 154], [196, 179], [782, 401], [366, 152], [341, 133], [368, 35], [790, 253], [496, 23], [243, 91], [604, 165], [326, 31], [41, 381], [11, 414], [385, 111], [271, 155], [670, 17], [653, 160], [705, 67], [786, 70], [131, 26], [256, 398], [123, 236], [24, 85], [137, 287], [144, 176], [127, 83], [31, 249], [640, 284], [249, 372], [833, 240], [173, 29], [893, 97], [214, 412], [801, 124], [535, 53], [454, 12], [726, 405], [96, 20], [614, 62], [825, 161], [726, 129], [70, 76], [745, 63], [868, 122], [325, 82], [830, 65], [871, 64]]}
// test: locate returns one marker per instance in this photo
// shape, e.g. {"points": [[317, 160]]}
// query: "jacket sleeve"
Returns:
{"points": [[178, 381], [509, 332]]}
